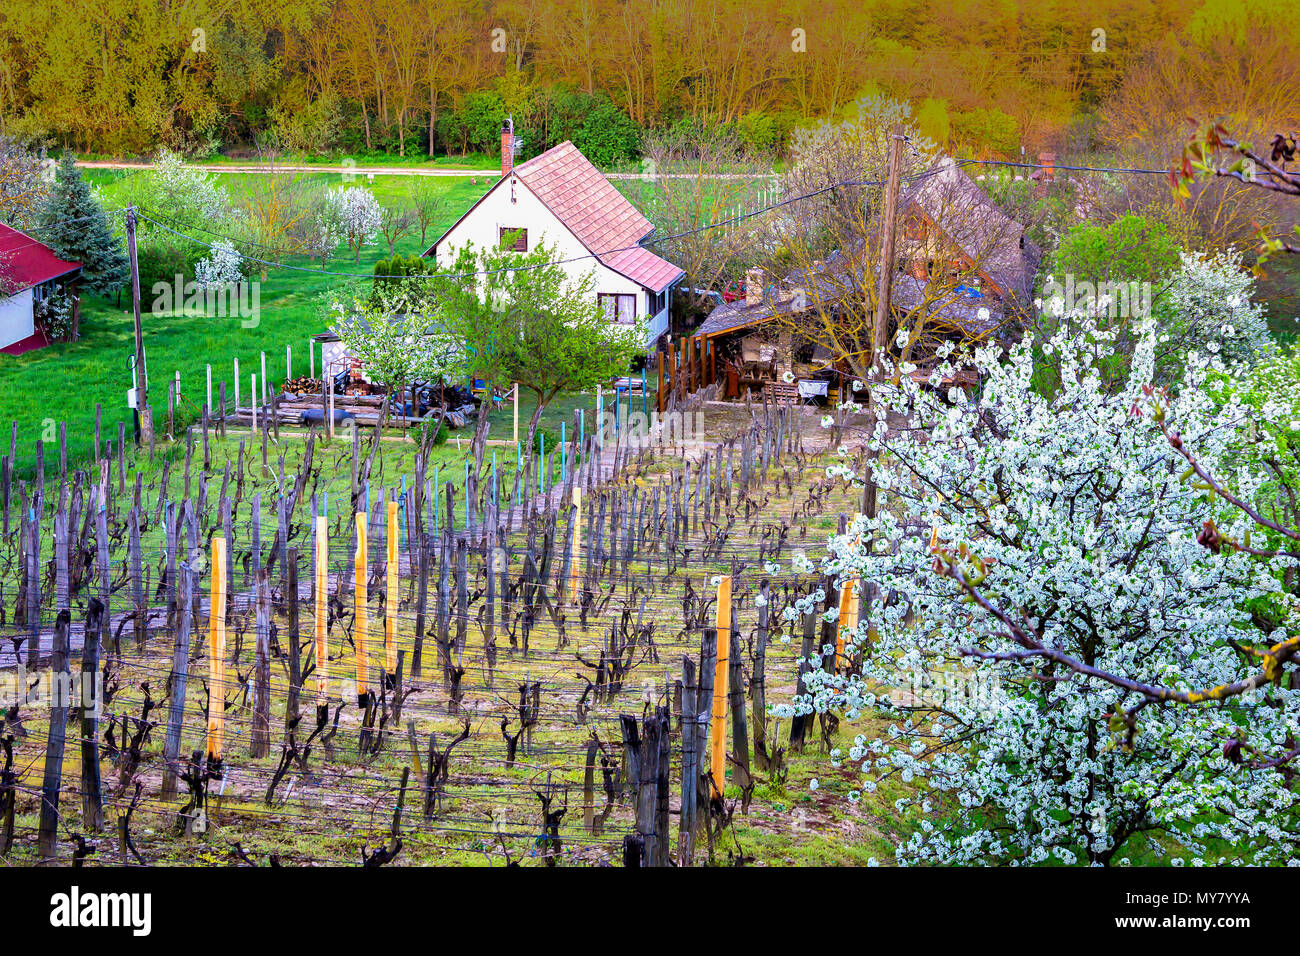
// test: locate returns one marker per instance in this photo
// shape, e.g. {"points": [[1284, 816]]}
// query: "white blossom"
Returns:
{"points": [[1079, 515]]}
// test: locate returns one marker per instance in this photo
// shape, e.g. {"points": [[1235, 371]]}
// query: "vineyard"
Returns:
{"points": [[288, 647]]}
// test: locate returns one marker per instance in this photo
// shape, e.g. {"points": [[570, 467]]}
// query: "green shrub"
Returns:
{"points": [[552, 439], [439, 439], [607, 136], [162, 256], [758, 132], [1132, 248]]}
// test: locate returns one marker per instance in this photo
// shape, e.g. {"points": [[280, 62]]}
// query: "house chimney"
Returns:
{"points": [[507, 147], [753, 287], [1048, 162], [1046, 173]]}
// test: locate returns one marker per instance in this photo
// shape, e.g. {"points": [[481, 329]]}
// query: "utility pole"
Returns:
{"points": [[143, 410], [888, 226]]}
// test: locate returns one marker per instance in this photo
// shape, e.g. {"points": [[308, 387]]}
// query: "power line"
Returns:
{"points": [[723, 223], [1054, 166]]}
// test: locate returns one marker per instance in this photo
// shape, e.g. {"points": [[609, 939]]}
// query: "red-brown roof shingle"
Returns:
{"points": [[598, 214]]}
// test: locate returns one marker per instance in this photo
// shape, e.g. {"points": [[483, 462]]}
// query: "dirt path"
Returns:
{"points": [[378, 170], [262, 168]]}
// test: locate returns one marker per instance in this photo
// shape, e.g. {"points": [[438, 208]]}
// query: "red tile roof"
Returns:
{"points": [[25, 262], [643, 267], [598, 214]]}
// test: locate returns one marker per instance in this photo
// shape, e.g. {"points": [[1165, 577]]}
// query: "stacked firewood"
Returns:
{"points": [[303, 385]]}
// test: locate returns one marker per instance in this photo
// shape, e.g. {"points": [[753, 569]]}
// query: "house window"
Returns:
{"points": [[618, 307], [513, 238], [657, 302]]}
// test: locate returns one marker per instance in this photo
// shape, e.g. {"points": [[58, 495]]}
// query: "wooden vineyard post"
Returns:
{"points": [[292, 704], [89, 700], [690, 764], [718, 726], [799, 723], [261, 736], [846, 601], [322, 643], [659, 387], [574, 592], [390, 596], [362, 621], [56, 738], [848, 616], [758, 681], [179, 677], [217, 652]]}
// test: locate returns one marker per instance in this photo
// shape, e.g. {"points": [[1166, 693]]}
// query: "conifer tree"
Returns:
{"points": [[74, 225]]}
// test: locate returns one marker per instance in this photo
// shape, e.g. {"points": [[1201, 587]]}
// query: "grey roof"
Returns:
{"points": [[974, 314], [964, 212], [738, 314], [735, 315]]}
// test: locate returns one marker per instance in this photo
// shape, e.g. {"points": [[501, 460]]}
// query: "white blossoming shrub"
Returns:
{"points": [[183, 194], [1205, 305], [1271, 391], [1208, 306], [406, 344], [221, 267], [1078, 511], [357, 213]]}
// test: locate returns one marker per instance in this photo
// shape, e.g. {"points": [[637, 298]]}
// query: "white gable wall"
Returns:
{"points": [[496, 211], [16, 317]]}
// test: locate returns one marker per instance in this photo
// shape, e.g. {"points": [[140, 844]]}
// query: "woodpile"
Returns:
{"points": [[300, 404], [302, 385]]}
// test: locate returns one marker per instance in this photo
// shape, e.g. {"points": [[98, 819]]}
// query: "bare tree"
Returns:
{"points": [[23, 188], [963, 270], [693, 178], [394, 223], [277, 206], [427, 204]]}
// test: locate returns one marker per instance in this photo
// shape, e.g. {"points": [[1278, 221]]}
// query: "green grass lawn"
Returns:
{"points": [[65, 382]]}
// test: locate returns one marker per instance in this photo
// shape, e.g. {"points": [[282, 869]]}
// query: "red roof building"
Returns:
{"points": [[29, 271]]}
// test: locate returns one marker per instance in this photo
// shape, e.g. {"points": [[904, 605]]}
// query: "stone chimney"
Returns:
{"points": [[507, 147], [753, 287]]}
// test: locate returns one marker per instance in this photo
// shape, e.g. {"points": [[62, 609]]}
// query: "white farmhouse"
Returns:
{"points": [[560, 199]]}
